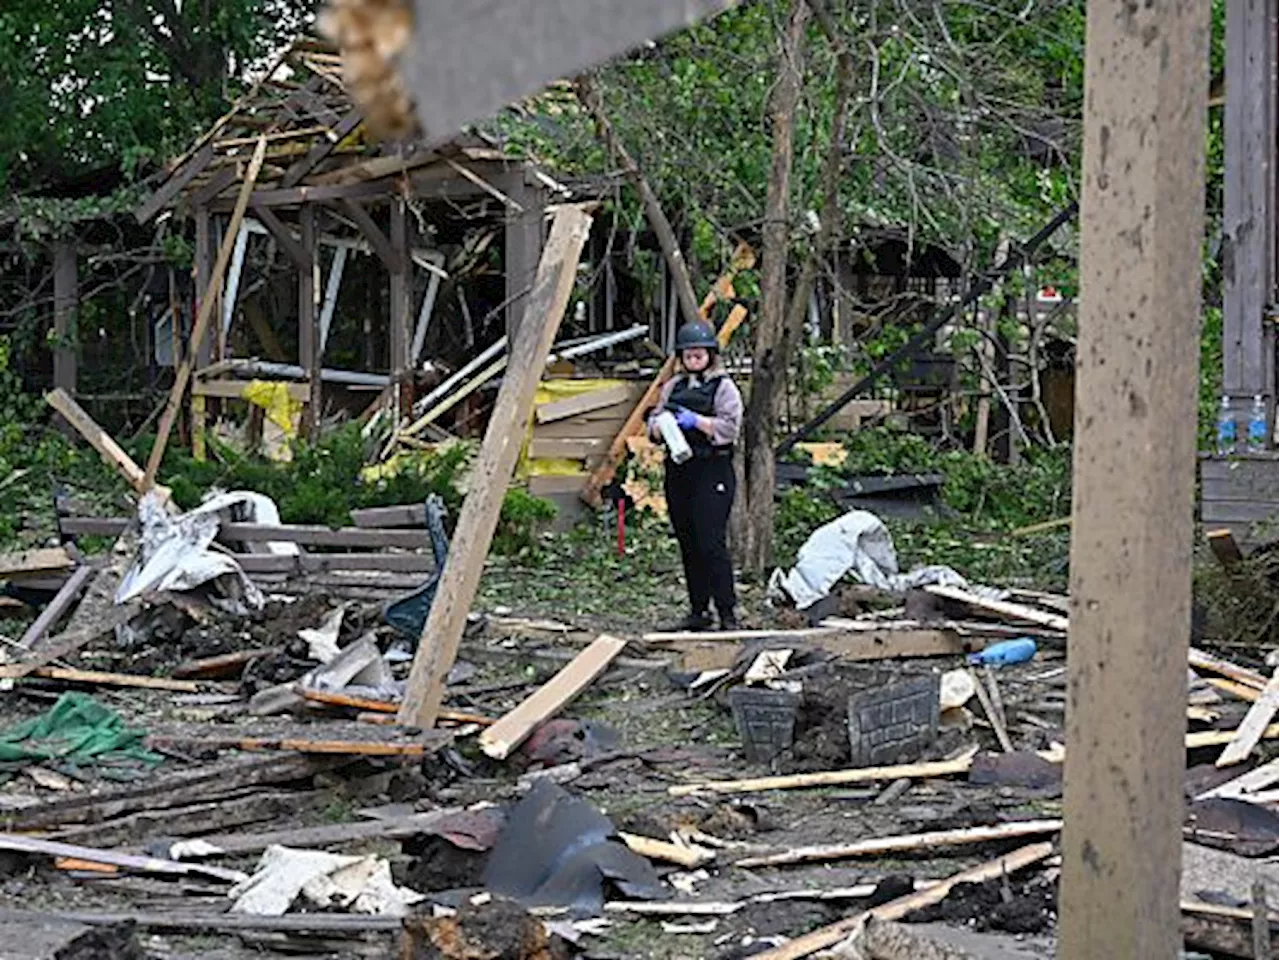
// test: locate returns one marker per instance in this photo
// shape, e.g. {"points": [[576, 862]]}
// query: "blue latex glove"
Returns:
{"points": [[686, 419]]}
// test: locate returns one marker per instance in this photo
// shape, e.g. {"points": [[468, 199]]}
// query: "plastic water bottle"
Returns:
{"points": [[1005, 652], [677, 446], [1257, 437], [1226, 429]]}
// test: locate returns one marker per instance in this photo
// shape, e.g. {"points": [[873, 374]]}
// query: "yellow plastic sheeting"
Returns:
{"points": [[825, 454], [548, 392], [273, 397]]}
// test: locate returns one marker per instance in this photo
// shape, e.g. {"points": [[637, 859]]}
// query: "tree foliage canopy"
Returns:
{"points": [[96, 88]]}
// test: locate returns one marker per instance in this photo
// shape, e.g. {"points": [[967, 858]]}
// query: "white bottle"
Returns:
{"points": [[677, 446]]}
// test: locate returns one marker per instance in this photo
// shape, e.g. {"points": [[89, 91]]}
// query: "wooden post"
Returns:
{"points": [[204, 273], [1248, 252], [64, 315], [1142, 220], [493, 467], [309, 318], [401, 271], [523, 243]]}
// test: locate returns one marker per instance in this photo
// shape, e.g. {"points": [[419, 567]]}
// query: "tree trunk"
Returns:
{"points": [[589, 96], [754, 537]]}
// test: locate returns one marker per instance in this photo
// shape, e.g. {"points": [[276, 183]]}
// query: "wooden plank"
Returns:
{"points": [[207, 302], [175, 183], [323, 147], [69, 641], [583, 403], [1251, 782], [509, 732], [324, 562], [166, 790], [369, 228], [1133, 478], [98, 438], [1014, 611], [55, 608], [37, 560], [285, 239], [392, 828], [1255, 722], [204, 194], [127, 861], [354, 748], [704, 654], [234, 389], [1220, 738], [203, 923], [664, 850], [579, 428], [880, 846], [636, 419], [312, 535], [897, 909], [829, 778], [492, 470], [1243, 478], [993, 715], [100, 678], [1199, 660], [407, 515], [567, 449], [1237, 690], [1237, 511], [550, 484], [338, 699]]}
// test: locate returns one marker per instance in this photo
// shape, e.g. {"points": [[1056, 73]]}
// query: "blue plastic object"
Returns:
{"points": [[1005, 652], [409, 613]]}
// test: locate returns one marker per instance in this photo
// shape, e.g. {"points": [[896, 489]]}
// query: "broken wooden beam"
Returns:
{"points": [[583, 403], [491, 473], [511, 730], [99, 678], [1003, 608], [391, 828], [993, 715], [1199, 660], [687, 857], [877, 846], [69, 641], [336, 698], [35, 561], [1224, 547], [708, 653], [903, 906], [1254, 724], [156, 792], [67, 594], [99, 439], [830, 778], [127, 861], [360, 748], [212, 921]]}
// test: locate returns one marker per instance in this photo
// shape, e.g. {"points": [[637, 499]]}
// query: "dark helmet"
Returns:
{"points": [[696, 334]]}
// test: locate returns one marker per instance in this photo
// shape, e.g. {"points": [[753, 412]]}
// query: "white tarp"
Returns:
{"points": [[357, 884], [857, 543], [174, 553]]}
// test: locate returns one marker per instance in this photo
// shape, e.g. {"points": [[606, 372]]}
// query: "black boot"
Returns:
{"points": [[694, 622], [729, 621]]}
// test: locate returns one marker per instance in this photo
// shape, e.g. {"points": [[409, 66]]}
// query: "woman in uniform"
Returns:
{"points": [[707, 407]]}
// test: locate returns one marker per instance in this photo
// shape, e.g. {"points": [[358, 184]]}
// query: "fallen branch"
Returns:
{"points": [[687, 857]]}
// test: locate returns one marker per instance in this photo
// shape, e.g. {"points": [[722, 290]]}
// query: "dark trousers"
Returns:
{"points": [[699, 495]]}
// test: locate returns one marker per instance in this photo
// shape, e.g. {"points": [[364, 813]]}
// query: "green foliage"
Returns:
{"points": [[94, 86], [518, 524]]}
